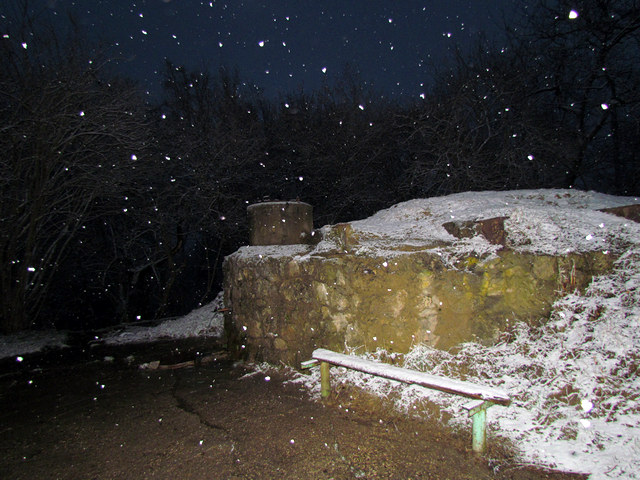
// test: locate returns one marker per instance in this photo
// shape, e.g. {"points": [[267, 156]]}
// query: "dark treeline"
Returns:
{"points": [[114, 209]]}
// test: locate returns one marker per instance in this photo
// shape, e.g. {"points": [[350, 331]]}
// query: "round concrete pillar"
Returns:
{"points": [[280, 223]]}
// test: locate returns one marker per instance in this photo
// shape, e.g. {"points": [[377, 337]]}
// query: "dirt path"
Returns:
{"points": [[105, 420]]}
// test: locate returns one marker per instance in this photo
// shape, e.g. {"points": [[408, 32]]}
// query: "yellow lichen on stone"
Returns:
{"points": [[392, 302]]}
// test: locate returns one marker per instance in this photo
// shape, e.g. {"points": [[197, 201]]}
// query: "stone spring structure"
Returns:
{"points": [[332, 290]]}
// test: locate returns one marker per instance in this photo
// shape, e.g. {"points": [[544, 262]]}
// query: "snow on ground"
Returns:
{"points": [[205, 321], [574, 381], [27, 342], [539, 221]]}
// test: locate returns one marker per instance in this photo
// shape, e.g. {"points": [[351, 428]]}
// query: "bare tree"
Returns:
{"points": [[335, 148], [69, 138], [556, 106], [584, 70], [212, 153], [478, 129]]}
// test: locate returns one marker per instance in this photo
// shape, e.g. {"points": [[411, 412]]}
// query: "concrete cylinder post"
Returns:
{"points": [[280, 223]]}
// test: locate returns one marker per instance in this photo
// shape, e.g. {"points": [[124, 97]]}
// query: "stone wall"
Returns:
{"points": [[438, 271], [288, 300]]}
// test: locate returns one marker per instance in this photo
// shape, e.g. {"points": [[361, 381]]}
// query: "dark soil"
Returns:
{"points": [[74, 415]]}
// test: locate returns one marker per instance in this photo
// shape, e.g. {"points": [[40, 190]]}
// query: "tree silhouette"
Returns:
{"points": [[69, 139], [583, 70]]}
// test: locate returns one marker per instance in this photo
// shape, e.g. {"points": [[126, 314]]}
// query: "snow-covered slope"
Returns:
{"points": [[539, 221], [205, 321], [575, 380]]}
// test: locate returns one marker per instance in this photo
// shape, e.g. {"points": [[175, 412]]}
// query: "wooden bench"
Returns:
{"points": [[484, 397]]}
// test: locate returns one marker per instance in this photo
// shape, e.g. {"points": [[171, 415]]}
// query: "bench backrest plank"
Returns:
{"points": [[413, 377]]}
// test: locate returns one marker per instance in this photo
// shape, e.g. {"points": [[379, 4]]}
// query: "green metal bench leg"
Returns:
{"points": [[325, 381], [479, 435], [478, 414]]}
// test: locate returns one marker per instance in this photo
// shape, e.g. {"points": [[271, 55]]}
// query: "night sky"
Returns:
{"points": [[283, 46]]}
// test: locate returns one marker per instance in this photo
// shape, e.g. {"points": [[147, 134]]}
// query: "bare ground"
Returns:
{"points": [[73, 415]]}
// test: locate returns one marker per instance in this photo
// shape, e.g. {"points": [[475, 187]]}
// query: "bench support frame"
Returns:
{"points": [[477, 408], [478, 413]]}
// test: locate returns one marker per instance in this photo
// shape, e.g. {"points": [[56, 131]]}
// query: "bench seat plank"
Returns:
{"points": [[413, 377]]}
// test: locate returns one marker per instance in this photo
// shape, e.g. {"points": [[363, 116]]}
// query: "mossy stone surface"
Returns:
{"points": [[283, 307]]}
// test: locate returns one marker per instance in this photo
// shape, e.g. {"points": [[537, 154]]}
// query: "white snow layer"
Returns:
{"points": [[574, 381], [205, 321], [551, 221], [539, 221], [27, 342]]}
